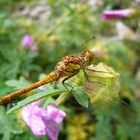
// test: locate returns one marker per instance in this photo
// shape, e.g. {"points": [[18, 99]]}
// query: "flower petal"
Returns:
{"points": [[37, 125], [43, 121], [27, 111], [116, 14], [53, 121], [27, 41]]}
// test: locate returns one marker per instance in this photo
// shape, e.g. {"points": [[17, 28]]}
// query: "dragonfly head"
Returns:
{"points": [[87, 57]]}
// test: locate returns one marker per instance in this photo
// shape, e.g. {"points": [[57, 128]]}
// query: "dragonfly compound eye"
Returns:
{"points": [[87, 57]]}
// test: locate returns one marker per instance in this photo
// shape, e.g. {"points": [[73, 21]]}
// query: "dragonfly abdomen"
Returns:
{"points": [[53, 76]]}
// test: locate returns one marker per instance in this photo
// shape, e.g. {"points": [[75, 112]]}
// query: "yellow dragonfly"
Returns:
{"points": [[66, 68]]}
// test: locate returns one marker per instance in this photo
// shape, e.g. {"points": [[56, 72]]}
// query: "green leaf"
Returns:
{"points": [[4, 89], [18, 84], [8, 124], [103, 87], [36, 97], [49, 100], [80, 97]]}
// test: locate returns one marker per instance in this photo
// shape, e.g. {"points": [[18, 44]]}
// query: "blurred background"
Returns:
{"points": [[35, 35]]}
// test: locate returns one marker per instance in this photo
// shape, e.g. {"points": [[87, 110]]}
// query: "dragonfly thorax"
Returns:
{"points": [[69, 65], [87, 57]]}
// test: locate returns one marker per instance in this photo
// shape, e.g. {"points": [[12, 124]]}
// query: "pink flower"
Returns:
{"points": [[27, 41], [116, 14], [43, 121]]}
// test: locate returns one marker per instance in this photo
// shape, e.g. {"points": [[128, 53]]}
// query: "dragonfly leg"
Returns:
{"points": [[65, 85], [87, 77], [98, 71], [85, 74], [66, 78]]}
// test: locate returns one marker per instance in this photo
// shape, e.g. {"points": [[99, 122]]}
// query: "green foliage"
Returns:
{"points": [[34, 98], [80, 97], [8, 125], [58, 28]]}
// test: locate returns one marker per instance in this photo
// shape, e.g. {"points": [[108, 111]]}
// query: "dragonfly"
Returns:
{"points": [[68, 67]]}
